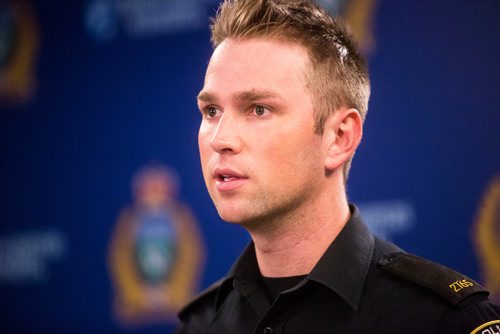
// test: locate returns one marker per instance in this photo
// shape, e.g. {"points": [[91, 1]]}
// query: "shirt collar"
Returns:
{"points": [[343, 268], [244, 276]]}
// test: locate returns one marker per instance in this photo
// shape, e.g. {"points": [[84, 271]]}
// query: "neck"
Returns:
{"points": [[293, 244]]}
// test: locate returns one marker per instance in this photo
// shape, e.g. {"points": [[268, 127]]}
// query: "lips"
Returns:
{"points": [[228, 179]]}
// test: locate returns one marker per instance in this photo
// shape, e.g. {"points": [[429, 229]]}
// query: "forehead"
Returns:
{"points": [[249, 64]]}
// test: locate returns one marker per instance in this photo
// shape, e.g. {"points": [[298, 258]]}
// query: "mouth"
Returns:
{"points": [[226, 180]]}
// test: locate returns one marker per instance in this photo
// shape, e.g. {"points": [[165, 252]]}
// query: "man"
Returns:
{"points": [[283, 104]]}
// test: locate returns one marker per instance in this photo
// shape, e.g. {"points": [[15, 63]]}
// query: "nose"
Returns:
{"points": [[227, 136]]}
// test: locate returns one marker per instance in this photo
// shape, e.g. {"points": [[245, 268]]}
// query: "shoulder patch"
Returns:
{"points": [[488, 328], [200, 297], [449, 284]]}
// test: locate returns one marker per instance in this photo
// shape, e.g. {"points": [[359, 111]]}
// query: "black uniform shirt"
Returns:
{"points": [[360, 285]]}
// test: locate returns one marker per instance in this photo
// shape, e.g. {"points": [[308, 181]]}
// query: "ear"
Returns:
{"points": [[342, 134]]}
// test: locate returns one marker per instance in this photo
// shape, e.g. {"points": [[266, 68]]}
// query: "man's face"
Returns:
{"points": [[260, 156]]}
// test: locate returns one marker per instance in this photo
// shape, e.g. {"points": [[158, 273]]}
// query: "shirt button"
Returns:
{"points": [[268, 330]]}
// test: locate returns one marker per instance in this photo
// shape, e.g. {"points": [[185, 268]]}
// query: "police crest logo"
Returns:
{"points": [[492, 327], [156, 252], [486, 232], [359, 14], [19, 39]]}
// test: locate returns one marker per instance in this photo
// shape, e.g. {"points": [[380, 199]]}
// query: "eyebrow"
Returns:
{"points": [[205, 97], [246, 96], [255, 95]]}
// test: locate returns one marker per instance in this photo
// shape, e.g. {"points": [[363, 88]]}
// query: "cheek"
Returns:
{"points": [[280, 159], [203, 141], [298, 157], [204, 151]]}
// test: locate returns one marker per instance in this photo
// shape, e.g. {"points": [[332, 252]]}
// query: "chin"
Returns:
{"points": [[230, 218], [227, 210], [249, 223]]}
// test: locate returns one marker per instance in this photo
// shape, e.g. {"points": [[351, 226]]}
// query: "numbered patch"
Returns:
{"points": [[460, 284]]}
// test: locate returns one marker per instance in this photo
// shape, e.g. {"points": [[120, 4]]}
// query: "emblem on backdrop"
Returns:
{"points": [[19, 40], [486, 232], [156, 252], [359, 14]]}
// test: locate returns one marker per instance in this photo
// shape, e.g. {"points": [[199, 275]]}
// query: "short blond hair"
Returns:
{"points": [[338, 76]]}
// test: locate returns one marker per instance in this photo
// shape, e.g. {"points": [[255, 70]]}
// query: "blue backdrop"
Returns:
{"points": [[91, 92]]}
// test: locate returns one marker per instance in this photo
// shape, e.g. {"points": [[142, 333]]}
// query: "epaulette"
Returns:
{"points": [[449, 284], [201, 297]]}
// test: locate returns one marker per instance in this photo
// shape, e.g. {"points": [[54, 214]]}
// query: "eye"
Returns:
{"points": [[260, 110], [211, 112]]}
